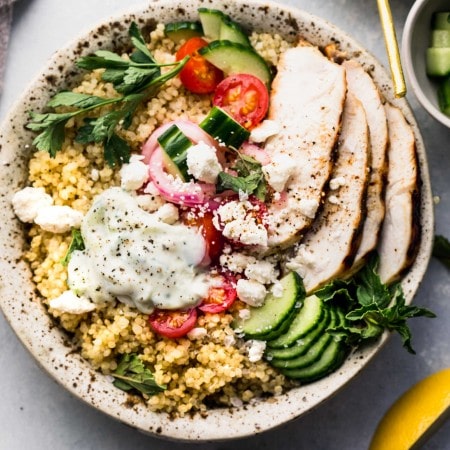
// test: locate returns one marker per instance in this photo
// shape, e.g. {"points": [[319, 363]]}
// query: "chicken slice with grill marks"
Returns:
{"points": [[328, 248], [307, 100], [400, 233], [364, 88]]}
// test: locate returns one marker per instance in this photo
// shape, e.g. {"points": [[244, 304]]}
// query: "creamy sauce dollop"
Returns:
{"points": [[132, 256]]}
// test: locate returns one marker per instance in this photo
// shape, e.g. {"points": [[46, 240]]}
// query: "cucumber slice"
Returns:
{"points": [[224, 129], [313, 353], [272, 316], [441, 21], [332, 357], [233, 58], [175, 145], [440, 38], [303, 344], [444, 96], [231, 31], [211, 20], [438, 61], [307, 319], [178, 31]]}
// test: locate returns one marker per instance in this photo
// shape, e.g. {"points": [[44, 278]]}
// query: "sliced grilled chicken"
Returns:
{"points": [[307, 100], [364, 88], [400, 233], [328, 248]]}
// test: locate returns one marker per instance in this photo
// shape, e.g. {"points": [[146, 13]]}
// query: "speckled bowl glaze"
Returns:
{"points": [[18, 298]]}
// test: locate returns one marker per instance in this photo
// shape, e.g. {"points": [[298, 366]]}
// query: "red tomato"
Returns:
{"points": [[198, 75], [220, 298], [173, 324], [213, 237], [245, 97]]}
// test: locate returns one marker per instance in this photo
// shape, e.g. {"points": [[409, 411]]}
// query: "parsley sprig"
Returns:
{"points": [[132, 374], [374, 306], [137, 79]]}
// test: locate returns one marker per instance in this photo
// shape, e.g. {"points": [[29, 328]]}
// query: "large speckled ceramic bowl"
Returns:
{"points": [[28, 317]]}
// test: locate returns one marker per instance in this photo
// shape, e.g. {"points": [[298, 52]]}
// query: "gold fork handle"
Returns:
{"points": [[393, 53]]}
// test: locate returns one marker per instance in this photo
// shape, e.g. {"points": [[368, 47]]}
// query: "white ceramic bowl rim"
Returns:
{"points": [[407, 52], [48, 344]]}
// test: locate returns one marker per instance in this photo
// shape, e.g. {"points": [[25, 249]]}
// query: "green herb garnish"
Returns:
{"points": [[131, 373], [249, 179], [374, 307], [441, 250], [76, 243], [137, 79]]}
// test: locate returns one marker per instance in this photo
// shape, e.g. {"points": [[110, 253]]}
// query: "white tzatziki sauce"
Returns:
{"points": [[133, 256]]}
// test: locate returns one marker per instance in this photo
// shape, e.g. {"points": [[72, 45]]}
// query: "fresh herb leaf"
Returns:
{"points": [[76, 243], [249, 179], [131, 374], [136, 79], [441, 250], [372, 307]]}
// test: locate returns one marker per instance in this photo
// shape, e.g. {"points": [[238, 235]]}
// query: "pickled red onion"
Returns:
{"points": [[175, 190]]}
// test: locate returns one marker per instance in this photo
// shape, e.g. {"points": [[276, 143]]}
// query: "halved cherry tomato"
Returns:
{"points": [[245, 97], [220, 298], [198, 75], [213, 237], [173, 324]]}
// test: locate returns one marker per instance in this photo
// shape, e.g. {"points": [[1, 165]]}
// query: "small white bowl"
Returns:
{"points": [[416, 39]]}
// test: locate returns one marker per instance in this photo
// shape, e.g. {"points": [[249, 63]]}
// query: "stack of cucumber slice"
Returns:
{"points": [[438, 58], [229, 48], [295, 329]]}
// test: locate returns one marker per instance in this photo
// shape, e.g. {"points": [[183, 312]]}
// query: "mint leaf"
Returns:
{"points": [[372, 307], [250, 178], [441, 250], [370, 289], [132, 374], [76, 243]]}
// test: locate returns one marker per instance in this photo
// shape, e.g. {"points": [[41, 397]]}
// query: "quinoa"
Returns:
{"points": [[210, 369]]}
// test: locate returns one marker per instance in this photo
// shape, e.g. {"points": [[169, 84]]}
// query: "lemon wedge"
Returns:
{"points": [[411, 418]]}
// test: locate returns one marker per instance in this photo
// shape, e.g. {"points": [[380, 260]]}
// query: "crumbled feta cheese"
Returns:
{"points": [[277, 290], [68, 302], [251, 292], [202, 162], [240, 224], [58, 219], [264, 131], [308, 207], [134, 174], [337, 182], [262, 271], [229, 340], [246, 232], [150, 202], [168, 213], [244, 314], [27, 203], [151, 189], [236, 262], [255, 350], [279, 170], [197, 333]]}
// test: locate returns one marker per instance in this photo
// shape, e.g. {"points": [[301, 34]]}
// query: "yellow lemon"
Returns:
{"points": [[414, 413]]}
